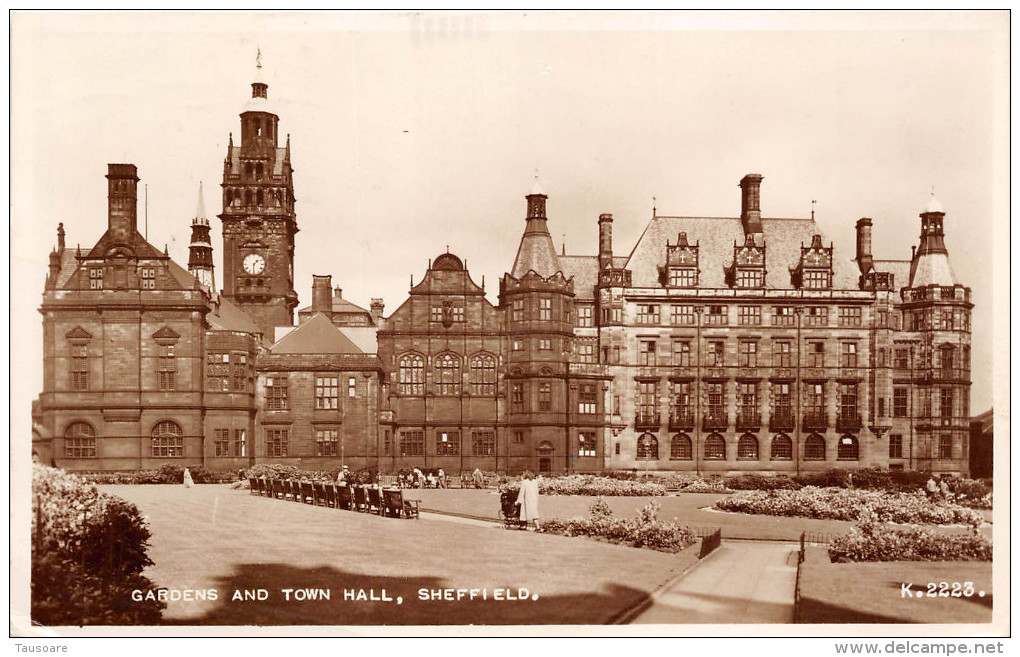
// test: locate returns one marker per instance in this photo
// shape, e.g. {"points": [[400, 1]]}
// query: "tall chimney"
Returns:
{"points": [[750, 202], [377, 310], [122, 201], [605, 241], [321, 293], [864, 259]]}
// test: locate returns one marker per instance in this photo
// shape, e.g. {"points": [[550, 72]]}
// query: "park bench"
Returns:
{"points": [[253, 486], [396, 505], [329, 495], [374, 500], [279, 488], [345, 497], [360, 498]]}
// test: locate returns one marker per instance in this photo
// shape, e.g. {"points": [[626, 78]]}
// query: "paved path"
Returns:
{"points": [[741, 582]]}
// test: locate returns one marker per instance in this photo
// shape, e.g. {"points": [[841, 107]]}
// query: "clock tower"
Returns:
{"points": [[258, 217]]}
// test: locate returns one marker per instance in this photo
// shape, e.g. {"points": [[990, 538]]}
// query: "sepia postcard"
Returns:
{"points": [[510, 323]]}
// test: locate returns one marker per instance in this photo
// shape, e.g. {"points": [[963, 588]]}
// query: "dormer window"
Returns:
{"points": [[814, 271], [750, 278], [148, 275], [683, 277], [95, 278], [817, 280]]}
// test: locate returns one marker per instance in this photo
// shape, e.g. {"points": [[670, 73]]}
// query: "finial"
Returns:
{"points": [[258, 58], [200, 210], [813, 201], [654, 209], [447, 248]]}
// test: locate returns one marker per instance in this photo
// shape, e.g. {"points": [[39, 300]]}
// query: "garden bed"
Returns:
{"points": [[645, 530]]}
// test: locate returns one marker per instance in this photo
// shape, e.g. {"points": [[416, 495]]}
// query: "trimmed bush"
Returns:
{"points": [[593, 485], [646, 530], [760, 482], [88, 552], [849, 504], [870, 541]]}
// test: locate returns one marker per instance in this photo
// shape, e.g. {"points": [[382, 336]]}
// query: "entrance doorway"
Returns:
{"points": [[545, 452], [545, 464]]}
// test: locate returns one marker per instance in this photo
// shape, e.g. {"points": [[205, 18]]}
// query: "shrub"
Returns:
{"points": [[712, 485], [848, 504], [646, 530], [593, 485], [870, 541], [273, 471], [971, 492], [760, 482], [88, 552]]}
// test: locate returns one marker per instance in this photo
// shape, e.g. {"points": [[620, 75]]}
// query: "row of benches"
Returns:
{"points": [[389, 502]]}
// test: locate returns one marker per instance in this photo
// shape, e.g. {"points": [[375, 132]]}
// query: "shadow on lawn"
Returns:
{"points": [[580, 608]]}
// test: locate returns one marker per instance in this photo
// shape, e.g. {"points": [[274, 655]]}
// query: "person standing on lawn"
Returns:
{"points": [[478, 478], [442, 478], [528, 499], [188, 481]]}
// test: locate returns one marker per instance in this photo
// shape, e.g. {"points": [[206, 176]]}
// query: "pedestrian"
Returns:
{"points": [[442, 478], [528, 499], [419, 478], [240, 474], [478, 478], [944, 489], [341, 477], [188, 481], [931, 487]]}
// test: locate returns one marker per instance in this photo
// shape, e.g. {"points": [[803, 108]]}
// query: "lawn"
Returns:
{"points": [[212, 537], [872, 592], [688, 508]]}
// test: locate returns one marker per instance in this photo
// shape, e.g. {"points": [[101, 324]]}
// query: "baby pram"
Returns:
{"points": [[510, 511]]}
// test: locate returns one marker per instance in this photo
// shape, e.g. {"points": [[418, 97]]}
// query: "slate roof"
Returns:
{"points": [[900, 269], [340, 305], [318, 335], [226, 316], [585, 272], [715, 237], [536, 251], [931, 269], [234, 157]]}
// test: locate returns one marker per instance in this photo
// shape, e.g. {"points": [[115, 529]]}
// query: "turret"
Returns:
{"points": [[930, 262], [200, 252]]}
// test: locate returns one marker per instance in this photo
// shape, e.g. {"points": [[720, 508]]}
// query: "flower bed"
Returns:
{"points": [[594, 485], [168, 473], [88, 552], [645, 530], [870, 541], [848, 504]]}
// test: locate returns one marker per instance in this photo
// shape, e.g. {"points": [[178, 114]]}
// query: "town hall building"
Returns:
{"points": [[716, 344]]}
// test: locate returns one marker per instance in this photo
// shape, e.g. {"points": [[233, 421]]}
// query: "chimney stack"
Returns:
{"points": [[864, 259], [122, 201], [321, 301], [605, 241], [750, 202], [376, 310]]}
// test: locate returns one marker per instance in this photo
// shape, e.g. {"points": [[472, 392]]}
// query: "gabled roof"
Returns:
{"points": [[900, 269], [585, 272], [318, 335], [716, 236], [225, 316]]}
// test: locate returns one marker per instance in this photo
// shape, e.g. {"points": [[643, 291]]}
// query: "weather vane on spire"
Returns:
{"points": [[258, 58]]}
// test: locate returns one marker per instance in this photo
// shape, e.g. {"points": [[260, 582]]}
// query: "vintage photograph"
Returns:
{"points": [[695, 322]]}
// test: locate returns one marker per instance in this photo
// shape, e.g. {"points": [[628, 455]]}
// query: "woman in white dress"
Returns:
{"points": [[188, 481], [528, 499]]}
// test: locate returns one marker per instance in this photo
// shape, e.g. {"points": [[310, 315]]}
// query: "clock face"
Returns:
{"points": [[254, 263]]}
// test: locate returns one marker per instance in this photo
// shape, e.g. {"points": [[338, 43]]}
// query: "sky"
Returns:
{"points": [[415, 132]]}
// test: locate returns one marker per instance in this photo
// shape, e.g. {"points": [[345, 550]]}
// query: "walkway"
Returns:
{"points": [[741, 582]]}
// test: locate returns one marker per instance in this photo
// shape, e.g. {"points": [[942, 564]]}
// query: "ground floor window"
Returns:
{"points": [[647, 447], [221, 442], [447, 443], [80, 441], [326, 441], [946, 446], [814, 448], [681, 448], [412, 443], [782, 448], [715, 448], [895, 446], [277, 442], [848, 449], [586, 443], [167, 440], [240, 445], [483, 443], [747, 447]]}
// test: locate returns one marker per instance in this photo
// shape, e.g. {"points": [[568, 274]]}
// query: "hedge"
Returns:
{"points": [[870, 541], [645, 530]]}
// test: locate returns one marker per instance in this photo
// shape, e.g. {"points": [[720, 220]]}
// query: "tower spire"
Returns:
{"points": [[200, 255]]}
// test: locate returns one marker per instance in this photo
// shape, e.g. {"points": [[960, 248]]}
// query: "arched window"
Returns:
{"points": [[747, 447], [412, 375], [647, 447], [848, 449], [167, 440], [782, 448], [814, 448], [680, 447], [483, 375], [447, 374], [715, 448], [80, 441]]}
